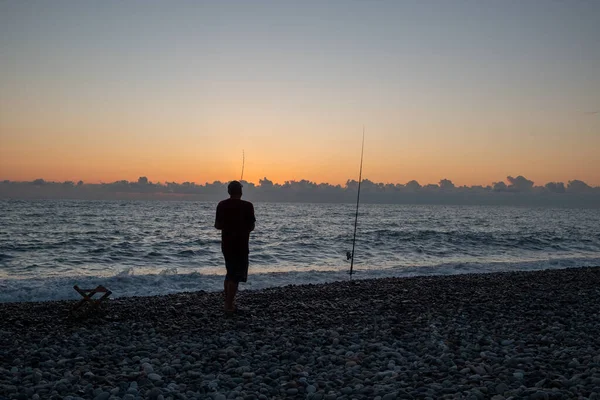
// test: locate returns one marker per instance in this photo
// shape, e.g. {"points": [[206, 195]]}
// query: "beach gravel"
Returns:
{"points": [[531, 335]]}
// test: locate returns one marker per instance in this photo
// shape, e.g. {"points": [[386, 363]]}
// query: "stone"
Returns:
{"points": [[154, 377], [539, 395], [155, 393], [102, 396], [501, 388], [147, 367]]}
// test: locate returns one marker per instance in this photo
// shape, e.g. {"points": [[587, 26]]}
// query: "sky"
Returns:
{"points": [[472, 91]]}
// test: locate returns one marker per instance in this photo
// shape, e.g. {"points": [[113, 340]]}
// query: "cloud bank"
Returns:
{"points": [[514, 191]]}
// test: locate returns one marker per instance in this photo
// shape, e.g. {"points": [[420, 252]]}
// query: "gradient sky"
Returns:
{"points": [[472, 91]]}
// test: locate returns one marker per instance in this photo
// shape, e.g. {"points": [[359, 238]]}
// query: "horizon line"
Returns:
{"points": [[257, 183]]}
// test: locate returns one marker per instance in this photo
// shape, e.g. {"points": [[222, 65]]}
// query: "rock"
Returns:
{"points": [[154, 377], [501, 388], [418, 334], [132, 391], [539, 395], [102, 396], [147, 368], [346, 390], [518, 375], [155, 393], [478, 369]]}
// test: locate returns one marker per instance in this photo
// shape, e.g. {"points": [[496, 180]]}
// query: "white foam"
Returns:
{"points": [[127, 283]]}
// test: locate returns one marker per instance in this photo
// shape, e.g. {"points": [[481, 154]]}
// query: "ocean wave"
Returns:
{"points": [[154, 236], [127, 283]]}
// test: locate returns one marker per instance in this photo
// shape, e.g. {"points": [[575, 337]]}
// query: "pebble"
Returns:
{"points": [[147, 367], [519, 335], [154, 377], [501, 388], [102, 396]]}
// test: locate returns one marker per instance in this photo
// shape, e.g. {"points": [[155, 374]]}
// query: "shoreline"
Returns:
{"points": [[494, 335], [131, 283]]}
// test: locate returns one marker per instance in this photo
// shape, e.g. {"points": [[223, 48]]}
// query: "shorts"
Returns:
{"points": [[237, 267]]}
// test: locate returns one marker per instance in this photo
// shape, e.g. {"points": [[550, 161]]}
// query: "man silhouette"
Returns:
{"points": [[235, 218]]}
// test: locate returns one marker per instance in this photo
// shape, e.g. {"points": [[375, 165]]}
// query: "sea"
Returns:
{"points": [[153, 247]]}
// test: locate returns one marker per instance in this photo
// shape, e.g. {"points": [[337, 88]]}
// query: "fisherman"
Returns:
{"points": [[235, 218]]}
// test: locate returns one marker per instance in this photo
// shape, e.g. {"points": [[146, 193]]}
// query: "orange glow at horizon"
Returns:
{"points": [[334, 164], [288, 149]]}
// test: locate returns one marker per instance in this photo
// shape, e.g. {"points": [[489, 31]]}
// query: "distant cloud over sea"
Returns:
{"points": [[514, 191]]}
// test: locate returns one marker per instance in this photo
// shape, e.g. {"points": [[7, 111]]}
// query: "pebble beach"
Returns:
{"points": [[532, 335]]}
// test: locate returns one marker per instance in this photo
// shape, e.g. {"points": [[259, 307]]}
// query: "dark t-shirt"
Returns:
{"points": [[235, 217]]}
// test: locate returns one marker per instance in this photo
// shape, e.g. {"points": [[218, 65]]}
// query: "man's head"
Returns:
{"points": [[234, 189]]}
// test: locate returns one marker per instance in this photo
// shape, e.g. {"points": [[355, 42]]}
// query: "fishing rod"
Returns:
{"points": [[351, 255], [243, 162]]}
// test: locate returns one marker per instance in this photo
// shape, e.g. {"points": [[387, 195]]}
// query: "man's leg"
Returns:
{"points": [[230, 291], [233, 288], [237, 270], [226, 283]]}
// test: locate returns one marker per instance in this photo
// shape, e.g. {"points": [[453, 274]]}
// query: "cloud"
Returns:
{"points": [[519, 184], [413, 185], [555, 187], [577, 186], [499, 186], [519, 191], [446, 184], [265, 183]]}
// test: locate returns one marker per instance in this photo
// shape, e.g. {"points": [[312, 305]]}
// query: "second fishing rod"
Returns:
{"points": [[350, 255]]}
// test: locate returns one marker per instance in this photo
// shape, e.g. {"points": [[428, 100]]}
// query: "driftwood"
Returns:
{"points": [[87, 304]]}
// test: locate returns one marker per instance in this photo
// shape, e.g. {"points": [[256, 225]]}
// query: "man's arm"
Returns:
{"points": [[219, 218], [252, 218]]}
